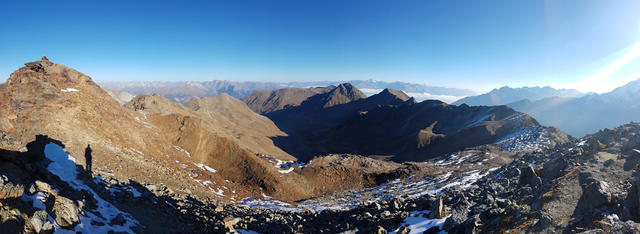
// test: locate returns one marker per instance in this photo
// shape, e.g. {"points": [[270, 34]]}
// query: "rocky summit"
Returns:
{"points": [[75, 157]]}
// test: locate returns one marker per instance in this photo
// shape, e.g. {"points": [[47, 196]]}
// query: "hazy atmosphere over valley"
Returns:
{"points": [[320, 117]]}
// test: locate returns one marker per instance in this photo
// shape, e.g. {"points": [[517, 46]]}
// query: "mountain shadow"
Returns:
{"points": [[390, 124]]}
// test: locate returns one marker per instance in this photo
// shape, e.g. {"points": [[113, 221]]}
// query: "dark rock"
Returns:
{"points": [[118, 220], [596, 194], [544, 221], [458, 216], [627, 227], [437, 209], [528, 176], [432, 230]]}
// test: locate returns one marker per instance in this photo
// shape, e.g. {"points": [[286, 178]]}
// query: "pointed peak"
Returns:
{"points": [[225, 96], [395, 93], [346, 85], [43, 70], [341, 94]]}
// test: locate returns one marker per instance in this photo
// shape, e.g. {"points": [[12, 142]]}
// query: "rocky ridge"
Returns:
{"points": [[529, 179]]}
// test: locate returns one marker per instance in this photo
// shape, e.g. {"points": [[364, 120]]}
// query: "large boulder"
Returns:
{"points": [[437, 209], [40, 222], [596, 193], [528, 176], [65, 212]]}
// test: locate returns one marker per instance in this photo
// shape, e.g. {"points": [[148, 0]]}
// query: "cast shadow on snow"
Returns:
{"points": [[154, 213]]}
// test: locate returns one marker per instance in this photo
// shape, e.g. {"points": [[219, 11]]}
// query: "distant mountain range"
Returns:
{"points": [[586, 114], [570, 110], [184, 91], [506, 95]]}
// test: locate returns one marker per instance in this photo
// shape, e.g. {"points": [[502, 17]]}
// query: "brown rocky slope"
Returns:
{"points": [[152, 140]]}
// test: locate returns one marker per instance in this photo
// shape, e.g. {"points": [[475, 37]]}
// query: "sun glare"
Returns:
{"points": [[598, 81]]}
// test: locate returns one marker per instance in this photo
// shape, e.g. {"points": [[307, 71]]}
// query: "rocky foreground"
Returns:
{"points": [[588, 184]]}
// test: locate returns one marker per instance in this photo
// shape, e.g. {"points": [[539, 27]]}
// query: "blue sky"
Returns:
{"points": [[467, 44]]}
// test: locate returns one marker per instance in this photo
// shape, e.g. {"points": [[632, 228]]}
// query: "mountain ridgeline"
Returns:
{"points": [[506, 95], [305, 160], [573, 112], [390, 124], [587, 114]]}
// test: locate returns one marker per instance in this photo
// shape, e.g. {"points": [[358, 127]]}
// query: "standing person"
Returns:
{"points": [[88, 157]]}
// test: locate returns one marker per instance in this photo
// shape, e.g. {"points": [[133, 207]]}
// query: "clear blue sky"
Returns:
{"points": [[467, 44]]}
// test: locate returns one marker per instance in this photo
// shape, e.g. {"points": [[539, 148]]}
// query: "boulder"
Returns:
{"points": [[458, 216], [65, 212], [596, 193], [40, 222], [437, 209], [404, 230], [544, 221], [43, 187], [528, 176], [230, 222]]}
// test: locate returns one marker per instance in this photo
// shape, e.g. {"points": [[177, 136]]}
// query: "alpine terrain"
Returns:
{"points": [[75, 157]]}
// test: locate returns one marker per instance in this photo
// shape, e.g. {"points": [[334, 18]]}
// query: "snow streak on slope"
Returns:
{"points": [[409, 187], [63, 165], [533, 138], [417, 223]]}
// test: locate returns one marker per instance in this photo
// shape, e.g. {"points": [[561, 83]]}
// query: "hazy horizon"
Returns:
{"points": [[592, 46]]}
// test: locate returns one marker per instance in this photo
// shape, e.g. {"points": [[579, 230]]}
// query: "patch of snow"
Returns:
{"points": [[210, 169], [137, 151], [37, 199], [417, 223], [286, 171], [69, 90], [182, 150], [218, 192], [268, 203], [63, 165], [135, 192], [454, 159], [288, 165], [526, 139], [613, 218], [582, 143], [479, 120], [241, 231], [205, 167]]}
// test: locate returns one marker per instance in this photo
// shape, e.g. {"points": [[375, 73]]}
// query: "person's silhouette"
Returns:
{"points": [[87, 157]]}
